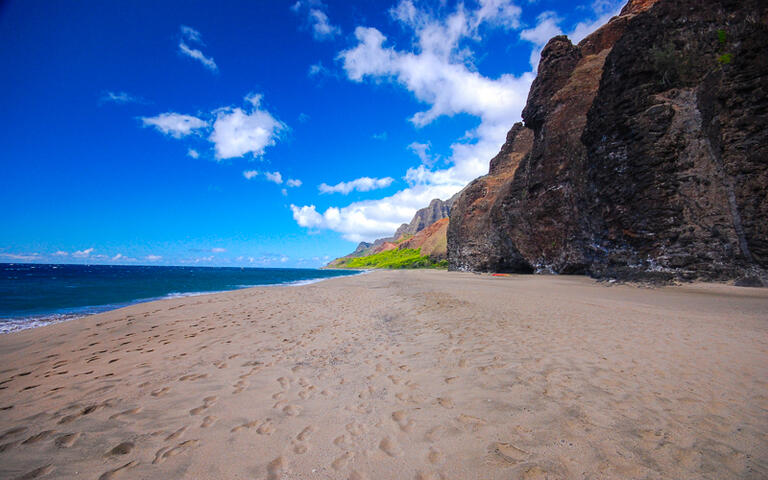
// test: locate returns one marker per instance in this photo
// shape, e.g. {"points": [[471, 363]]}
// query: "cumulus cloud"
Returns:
{"points": [[117, 257], [153, 258], [234, 131], [218, 250], [176, 125], [367, 220], [362, 184], [317, 19], [237, 132], [60, 253], [438, 71], [191, 36], [83, 253], [293, 182], [274, 177], [249, 174]]}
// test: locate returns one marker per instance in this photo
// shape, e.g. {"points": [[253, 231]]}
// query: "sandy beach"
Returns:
{"points": [[398, 375]]}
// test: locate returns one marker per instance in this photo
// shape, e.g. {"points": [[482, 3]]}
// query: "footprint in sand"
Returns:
{"points": [[275, 468], [434, 456], [208, 402], [355, 429], [445, 402], [67, 440], [284, 382], [240, 386], [38, 472], [292, 410], [160, 391], [176, 434], [341, 461], [266, 428], [132, 411], [509, 452], [38, 437], [167, 452], [208, 421], [390, 447], [305, 434], [300, 449], [121, 449]]}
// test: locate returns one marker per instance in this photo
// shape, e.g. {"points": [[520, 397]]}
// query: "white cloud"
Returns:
{"points": [[317, 69], [218, 250], [421, 149], [293, 182], [234, 131], [21, 256], [121, 98], [438, 71], [60, 253], [546, 28], [284, 192], [321, 26], [117, 257], [249, 174], [153, 258], [83, 253], [370, 219], [274, 177], [189, 34], [176, 125], [237, 132], [317, 19], [362, 184], [379, 136]]}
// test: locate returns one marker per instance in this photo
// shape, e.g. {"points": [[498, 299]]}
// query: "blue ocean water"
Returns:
{"points": [[33, 295]]}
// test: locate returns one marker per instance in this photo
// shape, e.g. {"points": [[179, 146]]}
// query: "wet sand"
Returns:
{"points": [[397, 375]]}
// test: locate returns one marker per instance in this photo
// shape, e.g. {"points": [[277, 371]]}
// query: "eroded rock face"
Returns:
{"points": [[425, 217], [649, 156]]}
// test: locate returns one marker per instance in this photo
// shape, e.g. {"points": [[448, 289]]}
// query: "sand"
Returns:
{"points": [[397, 375]]}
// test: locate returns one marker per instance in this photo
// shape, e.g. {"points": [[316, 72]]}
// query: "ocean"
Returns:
{"points": [[33, 295]]}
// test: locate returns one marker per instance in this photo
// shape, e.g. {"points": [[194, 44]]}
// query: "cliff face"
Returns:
{"points": [[425, 217], [648, 158]]}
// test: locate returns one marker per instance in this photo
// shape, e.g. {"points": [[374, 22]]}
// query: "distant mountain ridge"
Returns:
{"points": [[427, 232]]}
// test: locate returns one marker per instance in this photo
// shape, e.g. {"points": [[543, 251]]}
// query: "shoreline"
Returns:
{"points": [[73, 313], [397, 374]]}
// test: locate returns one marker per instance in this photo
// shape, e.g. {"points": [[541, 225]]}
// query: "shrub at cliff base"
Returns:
{"points": [[397, 258]]}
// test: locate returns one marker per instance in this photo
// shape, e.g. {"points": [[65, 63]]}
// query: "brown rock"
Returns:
{"points": [[648, 158]]}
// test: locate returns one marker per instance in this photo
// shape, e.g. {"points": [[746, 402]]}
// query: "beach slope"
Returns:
{"points": [[397, 375]]}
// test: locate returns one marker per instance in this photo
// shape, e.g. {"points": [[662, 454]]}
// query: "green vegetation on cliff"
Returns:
{"points": [[396, 258]]}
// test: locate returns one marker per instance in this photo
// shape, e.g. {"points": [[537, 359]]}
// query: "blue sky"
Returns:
{"points": [[252, 133]]}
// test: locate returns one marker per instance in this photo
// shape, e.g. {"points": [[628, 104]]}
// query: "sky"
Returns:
{"points": [[241, 133]]}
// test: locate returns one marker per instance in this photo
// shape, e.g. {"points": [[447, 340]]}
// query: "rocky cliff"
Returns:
{"points": [[644, 153]]}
